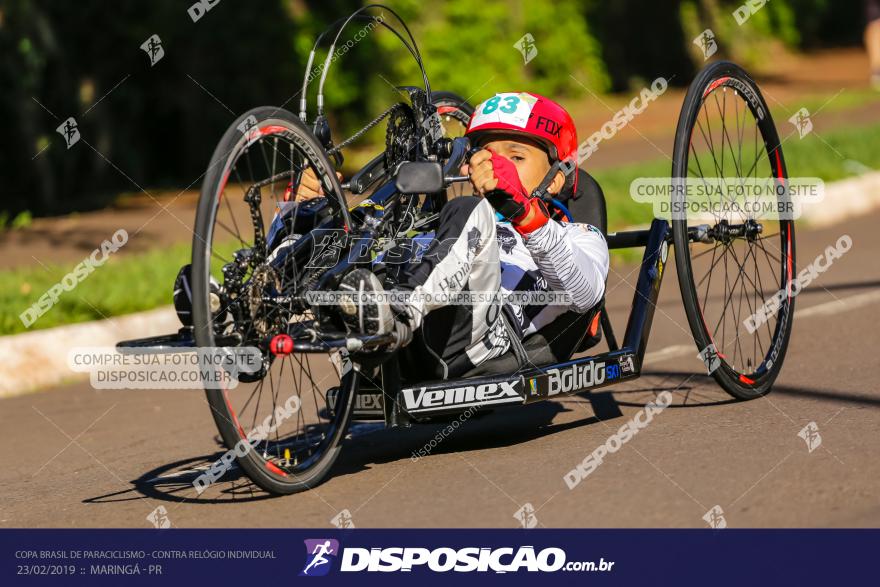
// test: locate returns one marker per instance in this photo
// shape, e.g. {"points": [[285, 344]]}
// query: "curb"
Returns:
{"points": [[844, 199], [38, 359]]}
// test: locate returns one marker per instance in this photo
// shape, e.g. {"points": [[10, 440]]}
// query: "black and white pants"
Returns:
{"points": [[450, 339]]}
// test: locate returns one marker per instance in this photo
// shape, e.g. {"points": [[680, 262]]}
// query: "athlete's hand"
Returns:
{"points": [[496, 178], [490, 172], [309, 187], [481, 172]]}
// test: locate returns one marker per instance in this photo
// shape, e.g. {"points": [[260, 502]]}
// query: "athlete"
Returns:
{"points": [[502, 239]]}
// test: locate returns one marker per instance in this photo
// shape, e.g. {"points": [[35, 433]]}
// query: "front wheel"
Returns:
{"points": [[735, 257], [286, 423]]}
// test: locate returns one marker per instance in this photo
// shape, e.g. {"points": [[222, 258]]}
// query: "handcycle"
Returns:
{"points": [[252, 278]]}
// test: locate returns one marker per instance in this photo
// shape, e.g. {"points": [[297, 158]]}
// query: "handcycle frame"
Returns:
{"points": [[407, 403]]}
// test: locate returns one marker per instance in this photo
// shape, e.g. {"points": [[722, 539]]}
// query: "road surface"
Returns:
{"points": [[76, 457]]}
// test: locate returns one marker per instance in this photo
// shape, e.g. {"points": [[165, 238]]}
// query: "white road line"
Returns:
{"points": [[837, 306], [825, 309], [669, 352]]}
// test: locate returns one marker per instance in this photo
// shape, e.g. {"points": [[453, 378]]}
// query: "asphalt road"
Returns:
{"points": [[76, 457]]}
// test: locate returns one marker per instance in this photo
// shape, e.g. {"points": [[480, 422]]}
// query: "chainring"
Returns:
{"points": [[401, 138]]}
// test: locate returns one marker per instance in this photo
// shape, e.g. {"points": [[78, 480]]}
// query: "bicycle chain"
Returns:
{"points": [[335, 149]]}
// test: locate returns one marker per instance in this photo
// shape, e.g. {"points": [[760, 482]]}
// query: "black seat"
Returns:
{"points": [[555, 343], [587, 204]]}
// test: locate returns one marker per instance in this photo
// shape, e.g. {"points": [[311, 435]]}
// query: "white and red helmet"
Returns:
{"points": [[532, 116]]}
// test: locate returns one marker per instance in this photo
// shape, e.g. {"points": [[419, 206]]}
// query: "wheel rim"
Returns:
{"points": [[749, 258], [284, 416]]}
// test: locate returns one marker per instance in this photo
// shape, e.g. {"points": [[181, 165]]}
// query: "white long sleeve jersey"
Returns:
{"points": [[566, 258]]}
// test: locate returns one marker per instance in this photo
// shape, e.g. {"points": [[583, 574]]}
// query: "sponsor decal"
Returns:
{"points": [[549, 125], [474, 245], [575, 377], [423, 399], [749, 93], [745, 91], [612, 372], [533, 386], [581, 376], [364, 403], [626, 364], [368, 402], [505, 237], [455, 282]]}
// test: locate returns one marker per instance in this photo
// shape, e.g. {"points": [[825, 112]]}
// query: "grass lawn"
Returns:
{"points": [[144, 281], [121, 286]]}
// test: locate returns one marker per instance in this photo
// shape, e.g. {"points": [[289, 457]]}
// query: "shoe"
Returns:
{"points": [[182, 298], [364, 312]]}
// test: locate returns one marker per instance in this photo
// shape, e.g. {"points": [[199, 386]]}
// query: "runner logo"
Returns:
{"points": [[247, 124], [343, 520], [715, 518], [710, 358], [70, 131], [810, 435], [159, 518], [154, 50], [319, 555], [526, 516], [527, 47], [706, 42], [459, 560], [802, 122], [434, 126]]}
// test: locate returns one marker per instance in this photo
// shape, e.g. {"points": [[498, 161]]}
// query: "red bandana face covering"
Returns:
{"points": [[510, 198]]}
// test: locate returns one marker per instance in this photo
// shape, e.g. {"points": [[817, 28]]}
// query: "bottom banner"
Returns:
{"points": [[609, 557]]}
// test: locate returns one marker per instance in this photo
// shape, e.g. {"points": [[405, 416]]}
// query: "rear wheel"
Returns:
{"points": [[734, 266], [455, 116], [298, 425]]}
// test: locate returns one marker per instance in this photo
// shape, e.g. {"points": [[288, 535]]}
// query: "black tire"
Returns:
{"points": [[455, 115], [268, 463], [744, 371], [453, 106]]}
